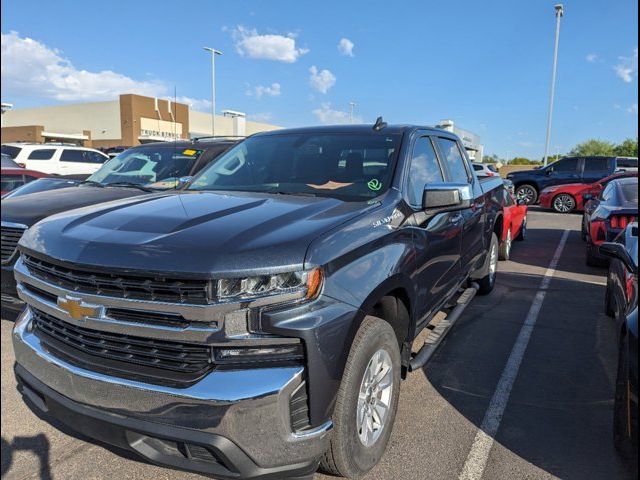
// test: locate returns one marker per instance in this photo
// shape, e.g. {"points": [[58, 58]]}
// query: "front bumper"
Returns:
{"points": [[546, 198], [242, 417]]}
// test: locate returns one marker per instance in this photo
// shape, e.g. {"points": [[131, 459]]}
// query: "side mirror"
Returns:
{"points": [[183, 182], [617, 250], [447, 196]]}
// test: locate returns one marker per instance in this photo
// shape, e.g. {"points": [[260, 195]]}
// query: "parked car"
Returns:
{"points": [[514, 224], [485, 169], [607, 215], [55, 158], [146, 169], [41, 185], [258, 322], [571, 197], [529, 183], [7, 162], [12, 178], [622, 301]]}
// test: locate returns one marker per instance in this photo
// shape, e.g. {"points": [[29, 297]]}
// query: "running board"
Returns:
{"points": [[437, 333]]}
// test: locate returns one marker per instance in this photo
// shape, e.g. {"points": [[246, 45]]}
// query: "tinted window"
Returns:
{"points": [[73, 156], [629, 192], [352, 167], [627, 162], [9, 182], [596, 164], [566, 165], [41, 154], [11, 150], [478, 168], [425, 168], [454, 160]]}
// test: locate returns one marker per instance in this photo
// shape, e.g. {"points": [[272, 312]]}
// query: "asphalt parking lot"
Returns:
{"points": [[556, 423]]}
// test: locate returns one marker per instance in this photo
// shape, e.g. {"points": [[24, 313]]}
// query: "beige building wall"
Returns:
{"points": [[200, 125], [101, 118]]}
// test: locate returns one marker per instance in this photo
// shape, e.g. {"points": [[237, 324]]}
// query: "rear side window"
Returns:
{"points": [[596, 164], [10, 150], [81, 156], [425, 168], [41, 154], [454, 160], [9, 182], [627, 162], [630, 192], [566, 165], [478, 168]]}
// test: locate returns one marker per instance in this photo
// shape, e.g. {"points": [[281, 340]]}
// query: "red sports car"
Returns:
{"points": [[569, 197], [16, 177], [514, 224]]}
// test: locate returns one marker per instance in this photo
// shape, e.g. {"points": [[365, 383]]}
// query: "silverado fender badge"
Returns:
{"points": [[79, 310]]}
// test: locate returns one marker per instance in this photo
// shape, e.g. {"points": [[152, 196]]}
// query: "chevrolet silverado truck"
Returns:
{"points": [[141, 170], [258, 323]]}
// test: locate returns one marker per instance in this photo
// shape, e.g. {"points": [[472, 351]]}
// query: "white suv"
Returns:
{"points": [[54, 158]]}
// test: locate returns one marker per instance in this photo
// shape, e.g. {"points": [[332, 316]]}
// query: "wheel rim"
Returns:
{"points": [[507, 242], [493, 266], [563, 203], [528, 194], [374, 398]]}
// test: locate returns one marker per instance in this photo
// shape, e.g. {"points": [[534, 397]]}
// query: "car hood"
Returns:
{"points": [[30, 209], [195, 233]]}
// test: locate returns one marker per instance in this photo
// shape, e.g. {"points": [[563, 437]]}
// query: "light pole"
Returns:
{"points": [[213, 52], [352, 105], [559, 14]]}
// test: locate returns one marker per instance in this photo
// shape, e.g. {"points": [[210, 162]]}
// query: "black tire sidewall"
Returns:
{"points": [[535, 190]]}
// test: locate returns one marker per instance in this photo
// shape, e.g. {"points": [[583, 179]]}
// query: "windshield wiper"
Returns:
{"points": [[93, 183], [129, 185]]}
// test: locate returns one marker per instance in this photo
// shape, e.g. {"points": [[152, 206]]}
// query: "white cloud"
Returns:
{"points": [[592, 58], [327, 115], [273, 90], [633, 109], [32, 68], [262, 117], [251, 44], [627, 67], [345, 47], [321, 80], [200, 105]]}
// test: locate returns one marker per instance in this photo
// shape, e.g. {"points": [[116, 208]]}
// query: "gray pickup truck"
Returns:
{"points": [[258, 323]]}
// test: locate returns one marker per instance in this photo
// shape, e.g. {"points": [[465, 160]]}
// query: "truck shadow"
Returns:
{"points": [[559, 415], [37, 445]]}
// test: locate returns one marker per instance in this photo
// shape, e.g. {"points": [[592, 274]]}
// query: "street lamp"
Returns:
{"points": [[559, 14], [213, 52], [351, 107]]}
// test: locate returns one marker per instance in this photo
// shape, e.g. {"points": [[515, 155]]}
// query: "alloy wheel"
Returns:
{"points": [[564, 203], [374, 398], [526, 193]]}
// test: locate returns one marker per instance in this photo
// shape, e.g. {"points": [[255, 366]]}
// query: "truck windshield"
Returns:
{"points": [[350, 167], [151, 167]]}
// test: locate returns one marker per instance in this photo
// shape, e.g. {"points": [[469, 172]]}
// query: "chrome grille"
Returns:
{"points": [[10, 238], [157, 288]]}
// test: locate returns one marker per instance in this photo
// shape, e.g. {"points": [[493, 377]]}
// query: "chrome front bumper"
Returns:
{"points": [[248, 407]]}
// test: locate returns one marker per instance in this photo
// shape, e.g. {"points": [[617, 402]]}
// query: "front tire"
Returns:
{"points": [[487, 282], [505, 247], [564, 203], [528, 193], [367, 401], [522, 235]]}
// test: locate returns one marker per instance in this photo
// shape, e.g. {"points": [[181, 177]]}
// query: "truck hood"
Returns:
{"points": [[194, 233], [30, 209]]}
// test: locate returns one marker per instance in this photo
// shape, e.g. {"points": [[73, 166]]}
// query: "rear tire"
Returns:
{"points": [[528, 193], [348, 454], [487, 282], [609, 307], [522, 234], [505, 247], [626, 442]]}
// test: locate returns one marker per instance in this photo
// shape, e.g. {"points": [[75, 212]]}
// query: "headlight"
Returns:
{"points": [[304, 284], [293, 352]]}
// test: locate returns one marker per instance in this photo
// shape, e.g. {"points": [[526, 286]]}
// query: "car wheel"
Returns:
{"points": [[564, 203], [487, 282], [367, 401], [609, 307], [527, 193], [522, 234], [622, 436], [505, 247]]}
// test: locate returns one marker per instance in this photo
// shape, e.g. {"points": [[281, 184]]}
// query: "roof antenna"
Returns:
{"points": [[379, 125]]}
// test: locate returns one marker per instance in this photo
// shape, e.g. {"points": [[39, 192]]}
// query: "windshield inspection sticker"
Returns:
{"points": [[374, 184], [189, 152]]}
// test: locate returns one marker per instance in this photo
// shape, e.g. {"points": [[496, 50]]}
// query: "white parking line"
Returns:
{"points": [[477, 459]]}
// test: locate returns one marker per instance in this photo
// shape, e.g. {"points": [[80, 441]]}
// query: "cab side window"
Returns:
{"points": [[566, 165], [425, 168], [41, 154], [453, 158]]}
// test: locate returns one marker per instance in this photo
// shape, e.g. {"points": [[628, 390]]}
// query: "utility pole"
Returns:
{"points": [[213, 52], [352, 105], [559, 14]]}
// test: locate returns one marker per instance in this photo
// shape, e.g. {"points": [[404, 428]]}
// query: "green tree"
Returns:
{"points": [[594, 147], [628, 148], [523, 161]]}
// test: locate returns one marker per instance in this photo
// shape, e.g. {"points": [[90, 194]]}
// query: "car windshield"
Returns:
{"points": [[350, 167], [158, 167]]}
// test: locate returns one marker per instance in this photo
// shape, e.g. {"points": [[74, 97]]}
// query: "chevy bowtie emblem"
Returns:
{"points": [[79, 310]]}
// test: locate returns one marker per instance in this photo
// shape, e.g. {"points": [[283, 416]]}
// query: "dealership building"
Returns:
{"points": [[130, 120]]}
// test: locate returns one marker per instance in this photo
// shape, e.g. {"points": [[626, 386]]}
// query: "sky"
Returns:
{"points": [[485, 65]]}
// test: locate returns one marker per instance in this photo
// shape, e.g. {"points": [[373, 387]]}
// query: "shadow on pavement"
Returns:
{"points": [[38, 445]]}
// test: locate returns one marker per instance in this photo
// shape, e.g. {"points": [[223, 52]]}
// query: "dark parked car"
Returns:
{"points": [[41, 185], [145, 169], [529, 183], [607, 215], [14, 177], [8, 162], [259, 322], [622, 301]]}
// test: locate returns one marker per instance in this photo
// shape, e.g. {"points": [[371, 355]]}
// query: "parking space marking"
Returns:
{"points": [[479, 455]]}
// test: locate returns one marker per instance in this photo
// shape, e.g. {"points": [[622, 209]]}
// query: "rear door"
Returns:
{"points": [[565, 170], [438, 239], [75, 161], [41, 160], [596, 168]]}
